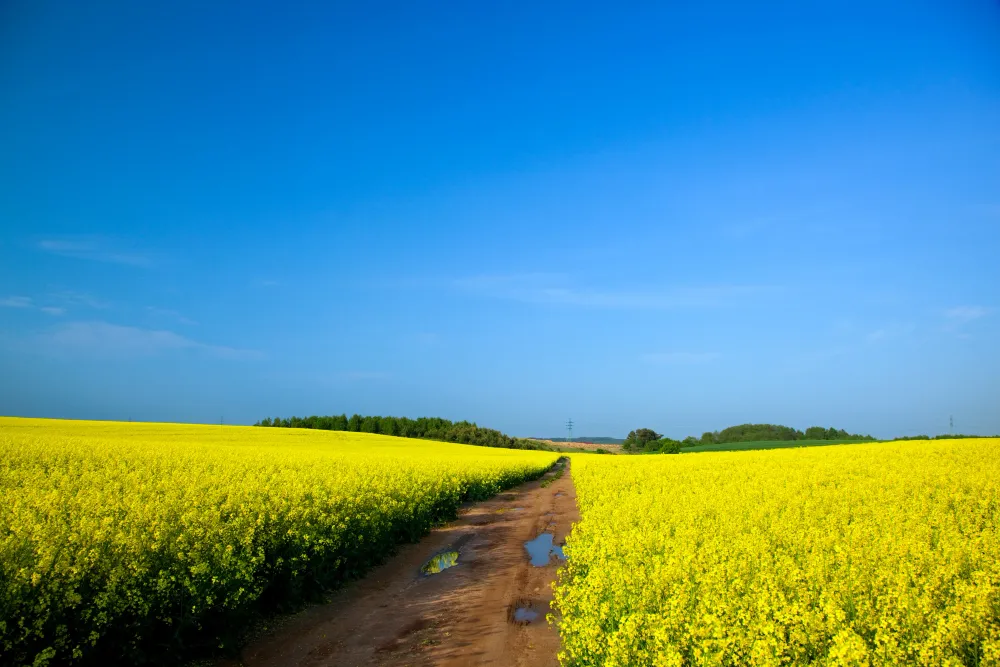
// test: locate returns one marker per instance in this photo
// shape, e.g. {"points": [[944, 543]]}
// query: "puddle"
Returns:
{"points": [[541, 549], [440, 562], [523, 611], [560, 494], [524, 615]]}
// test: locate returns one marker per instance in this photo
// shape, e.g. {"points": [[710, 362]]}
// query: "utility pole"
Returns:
{"points": [[569, 430], [951, 425]]}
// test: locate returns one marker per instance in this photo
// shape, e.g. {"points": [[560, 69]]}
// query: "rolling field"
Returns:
{"points": [[874, 554], [125, 542]]}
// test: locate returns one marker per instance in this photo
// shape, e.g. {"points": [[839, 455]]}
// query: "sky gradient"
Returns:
{"points": [[646, 215]]}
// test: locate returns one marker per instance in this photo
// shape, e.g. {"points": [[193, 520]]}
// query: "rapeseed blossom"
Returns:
{"points": [[118, 536], [881, 554]]}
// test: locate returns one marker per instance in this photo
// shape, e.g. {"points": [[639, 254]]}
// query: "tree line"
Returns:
{"points": [[647, 440], [426, 428], [765, 432]]}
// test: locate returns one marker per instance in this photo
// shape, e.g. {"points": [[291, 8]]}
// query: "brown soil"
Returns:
{"points": [[584, 446], [397, 615]]}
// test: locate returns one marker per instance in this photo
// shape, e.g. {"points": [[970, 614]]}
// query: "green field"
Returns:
{"points": [[766, 444]]}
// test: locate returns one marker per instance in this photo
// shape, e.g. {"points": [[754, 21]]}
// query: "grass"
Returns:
{"points": [[560, 468], [766, 444]]}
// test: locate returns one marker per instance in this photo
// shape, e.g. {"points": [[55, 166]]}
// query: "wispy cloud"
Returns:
{"points": [[680, 357], [75, 299], [113, 340], [16, 302], [95, 249], [967, 313], [542, 288], [27, 303], [167, 314], [959, 318]]}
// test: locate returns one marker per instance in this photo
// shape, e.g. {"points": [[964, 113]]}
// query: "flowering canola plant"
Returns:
{"points": [[118, 539], [881, 554]]}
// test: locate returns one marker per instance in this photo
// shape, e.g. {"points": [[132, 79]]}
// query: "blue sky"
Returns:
{"points": [[675, 215]]}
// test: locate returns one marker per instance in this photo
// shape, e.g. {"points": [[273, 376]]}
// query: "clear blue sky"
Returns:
{"points": [[682, 217]]}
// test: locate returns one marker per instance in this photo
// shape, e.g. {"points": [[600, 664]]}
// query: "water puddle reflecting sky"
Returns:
{"points": [[524, 615], [541, 549], [440, 562]]}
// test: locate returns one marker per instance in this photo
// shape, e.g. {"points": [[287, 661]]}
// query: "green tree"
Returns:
{"points": [[668, 446], [639, 438], [387, 426]]}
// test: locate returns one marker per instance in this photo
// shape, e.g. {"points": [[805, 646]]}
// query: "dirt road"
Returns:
{"points": [[463, 615]]}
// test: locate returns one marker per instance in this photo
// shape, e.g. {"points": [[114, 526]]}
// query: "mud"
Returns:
{"points": [[488, 607]]}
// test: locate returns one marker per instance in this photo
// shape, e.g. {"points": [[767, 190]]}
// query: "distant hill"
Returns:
{"points": [[602, 440]]}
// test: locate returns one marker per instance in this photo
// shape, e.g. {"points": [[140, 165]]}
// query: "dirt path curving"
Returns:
{"points": [[464, 615]]}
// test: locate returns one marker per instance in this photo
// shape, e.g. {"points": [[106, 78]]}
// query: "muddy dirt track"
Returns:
{"points": [[464, 615]]}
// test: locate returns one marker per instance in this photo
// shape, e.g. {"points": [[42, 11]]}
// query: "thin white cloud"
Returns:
{"points": [[75, 299], [967, 313], [166, 313], [680, 357], [27, 303], [544, 288], [95, 249], [113, 340], [16, 302], [960, 317]]}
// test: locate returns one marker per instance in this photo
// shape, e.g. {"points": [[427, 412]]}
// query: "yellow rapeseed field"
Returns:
{"points": [[119, 539], [881, 554]]}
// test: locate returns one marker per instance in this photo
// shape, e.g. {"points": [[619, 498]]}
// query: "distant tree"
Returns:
{"points": [[820, 433], [387, 426], [430, 428], [756, 432], [639, 438], [690, 441], [668, 446], [354, 423]]}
